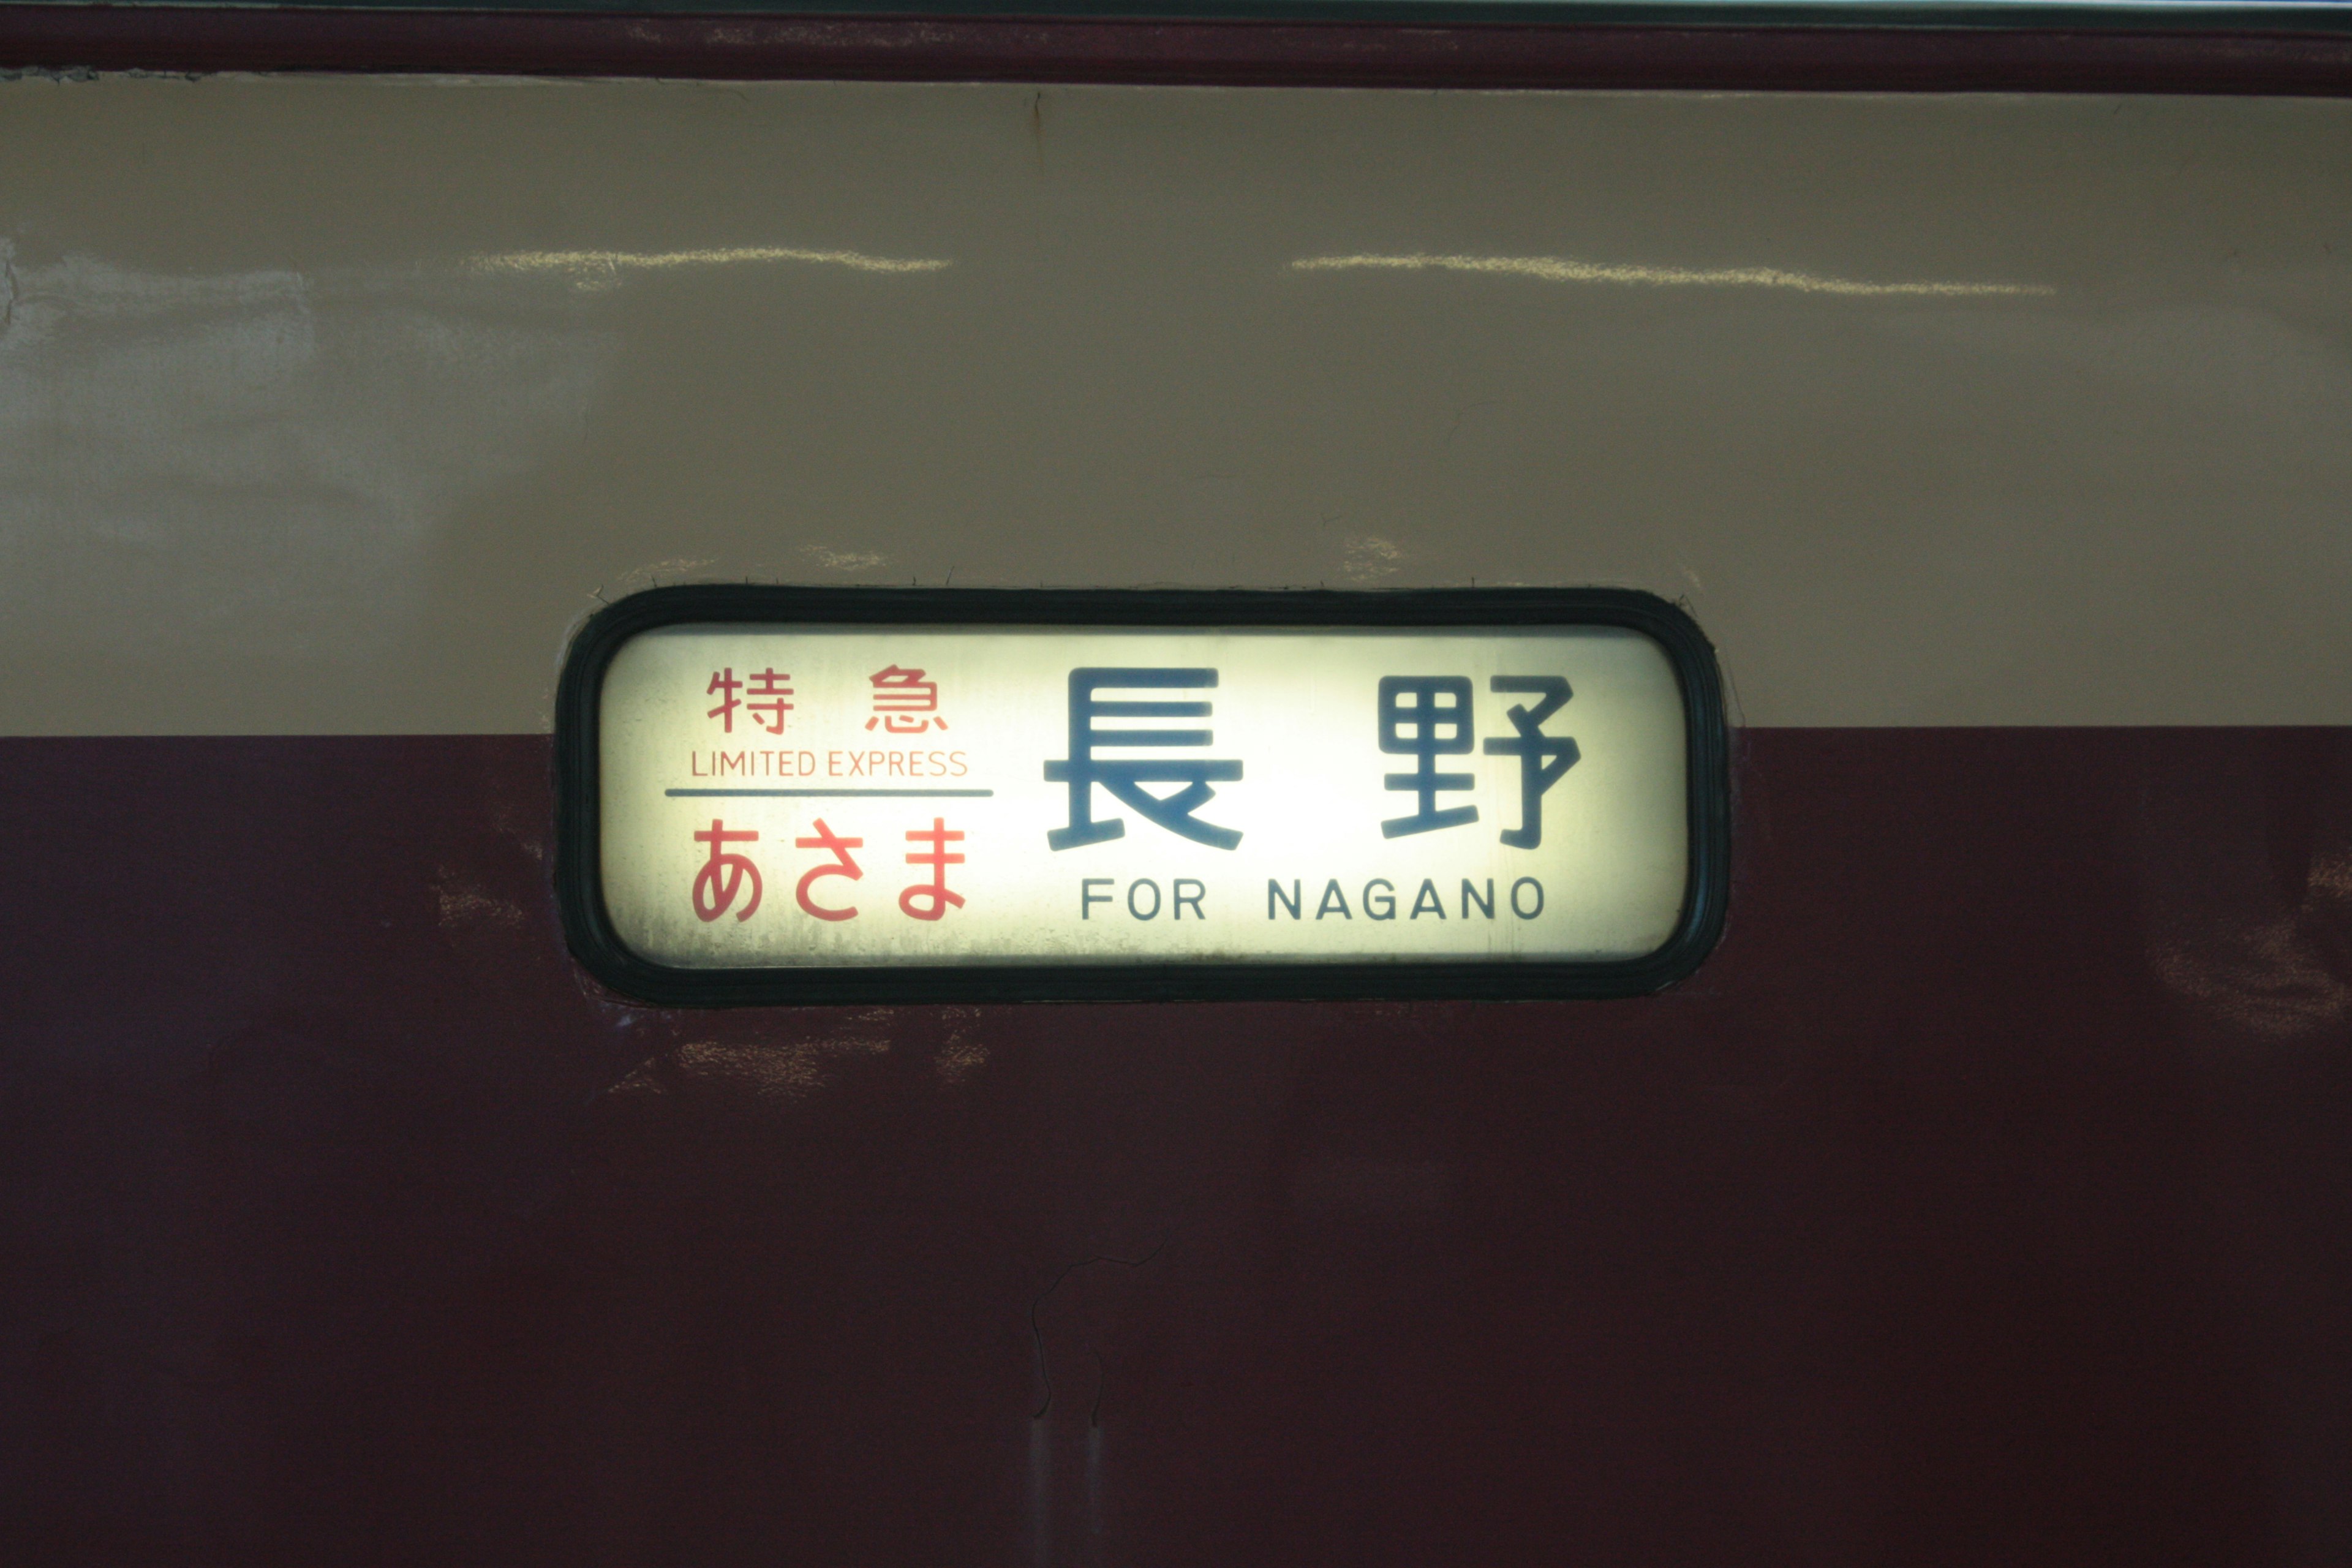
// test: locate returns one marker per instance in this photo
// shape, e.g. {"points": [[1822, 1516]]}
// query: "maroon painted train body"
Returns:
{"points": [[1985, 1196]]}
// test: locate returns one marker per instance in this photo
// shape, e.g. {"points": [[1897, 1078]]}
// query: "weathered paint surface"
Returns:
{"points": [[1987, 1186], [1987, 1196], [343, 400]]}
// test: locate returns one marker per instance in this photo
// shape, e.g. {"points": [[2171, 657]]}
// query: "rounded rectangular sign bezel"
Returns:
{"points": [[590, 930]]}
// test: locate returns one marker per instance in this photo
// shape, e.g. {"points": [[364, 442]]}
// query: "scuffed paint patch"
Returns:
{"points": [[268, 453], [833, 559], [1370, 558]]}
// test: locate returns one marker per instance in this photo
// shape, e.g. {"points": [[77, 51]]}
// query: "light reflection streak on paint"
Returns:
{"points": [[1563, 269], [605, 266]]}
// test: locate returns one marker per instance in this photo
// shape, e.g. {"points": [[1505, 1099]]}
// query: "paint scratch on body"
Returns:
{"points": [[604, 268], [1565, 269]]}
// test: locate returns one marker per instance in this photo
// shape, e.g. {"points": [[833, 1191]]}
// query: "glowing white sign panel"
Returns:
{"points": [[815, 796]]}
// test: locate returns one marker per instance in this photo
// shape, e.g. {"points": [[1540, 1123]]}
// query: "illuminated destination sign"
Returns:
{"points": [[779, 795]]}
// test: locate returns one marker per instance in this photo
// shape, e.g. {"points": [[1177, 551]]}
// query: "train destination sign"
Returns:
{"points": [[775, 794]]}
